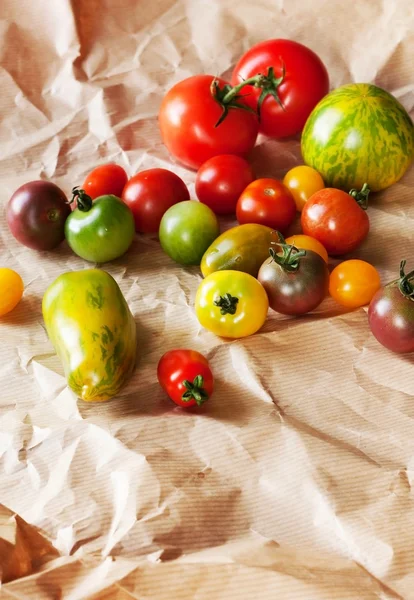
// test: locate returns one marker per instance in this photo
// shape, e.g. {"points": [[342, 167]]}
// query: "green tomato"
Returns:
{"points": [[100, 231], [186, 231]]}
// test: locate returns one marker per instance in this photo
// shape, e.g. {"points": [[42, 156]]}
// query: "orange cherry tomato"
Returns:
{"points": [[303, 181], [353, 283], [11, 286], [306, 242]]}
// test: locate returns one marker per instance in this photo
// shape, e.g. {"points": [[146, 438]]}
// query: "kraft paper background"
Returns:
{"points": [[295, 479]]}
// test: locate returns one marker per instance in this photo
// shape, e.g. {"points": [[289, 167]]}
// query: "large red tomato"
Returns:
{"points": [[150, 193], [293, 81], [189, 117]]}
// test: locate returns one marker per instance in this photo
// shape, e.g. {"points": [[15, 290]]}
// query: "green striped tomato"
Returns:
{"points": [[357, 134]]}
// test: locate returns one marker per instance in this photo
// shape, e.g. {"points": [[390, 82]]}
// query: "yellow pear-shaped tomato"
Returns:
{"points": [[93, 332]]}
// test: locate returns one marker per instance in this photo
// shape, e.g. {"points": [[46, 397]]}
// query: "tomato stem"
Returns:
{"points": [[362, 196], [195, 390], [404, 283], [291, 255], [227, 304], [83, 201]]}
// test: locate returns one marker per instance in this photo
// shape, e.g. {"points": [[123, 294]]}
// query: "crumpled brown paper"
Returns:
{"points": [[295, 479]]}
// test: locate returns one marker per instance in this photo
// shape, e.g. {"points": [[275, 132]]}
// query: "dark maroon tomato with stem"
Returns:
{"points": [[186, 377], [391, 313], [36, 215], [296, 281]]}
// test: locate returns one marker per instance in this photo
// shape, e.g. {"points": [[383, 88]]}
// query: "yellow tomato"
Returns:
{"points": [[231, 304], [306, 242], [353, 283], [302, 182], [11, 290]]}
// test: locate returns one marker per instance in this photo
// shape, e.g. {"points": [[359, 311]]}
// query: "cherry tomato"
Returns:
{"points": [[231, 304], [353, 283], [150, 194], [303, 181], [337, 219], [267, 202], [304, 82], [391, 313], [221, 180], [105, 180], [188, 120], [305, 242], [186, 377], [11, 286]]}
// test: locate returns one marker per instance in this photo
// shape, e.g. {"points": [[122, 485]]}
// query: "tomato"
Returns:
{"points": [[99, 231], [305, 242], [336, 219], [186, 377], [296, 281], [292, 81], [109, 179], [186, 231], [188, 118], [11, 286], [268, 202], [353, 283], [391, 313], [231, 304], [36, 215], [221, 180], [302, 182], [150, 193]]}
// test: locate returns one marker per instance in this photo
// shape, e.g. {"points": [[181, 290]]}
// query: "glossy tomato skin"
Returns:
{"points": [[177, 366], [303, 182], [108, 179], [353, 283], [150, 193], [36, 215], [186, 231], [247, 294], [335, 219], [305, 242], [12, 287], [391, 319], [187, 119], [268, 202], [306, 82], [298, 292], [221, 180]]}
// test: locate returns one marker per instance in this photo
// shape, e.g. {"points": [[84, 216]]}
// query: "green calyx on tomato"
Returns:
{"points": [[290, 258], [227, 304], [83, 200], [362, 196], [404, 282], [195, 390]]}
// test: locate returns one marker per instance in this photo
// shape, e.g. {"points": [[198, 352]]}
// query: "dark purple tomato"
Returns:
{"points": [[391, 313], [296, 281], [36, 215]]}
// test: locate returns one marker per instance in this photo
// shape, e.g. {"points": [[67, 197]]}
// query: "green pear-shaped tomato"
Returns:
{"points": [[101, 230]]}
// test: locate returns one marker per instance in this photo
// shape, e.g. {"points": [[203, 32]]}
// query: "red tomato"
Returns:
{"points": [[186, 377], [104, 180], [188, 120], [150, 194], [221, 180], [299, 89], [336, 219], [268, 202]]}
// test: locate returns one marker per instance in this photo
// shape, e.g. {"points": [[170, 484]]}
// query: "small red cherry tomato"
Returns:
{"points": [[186, 377], [221, 180], [105, 180], [336, 219], [150, 194], [267, 202]]}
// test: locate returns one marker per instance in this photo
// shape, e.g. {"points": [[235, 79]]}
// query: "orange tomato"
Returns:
{"points": [[303, 181], [306, 242], [11, 290], [353, 283]]}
